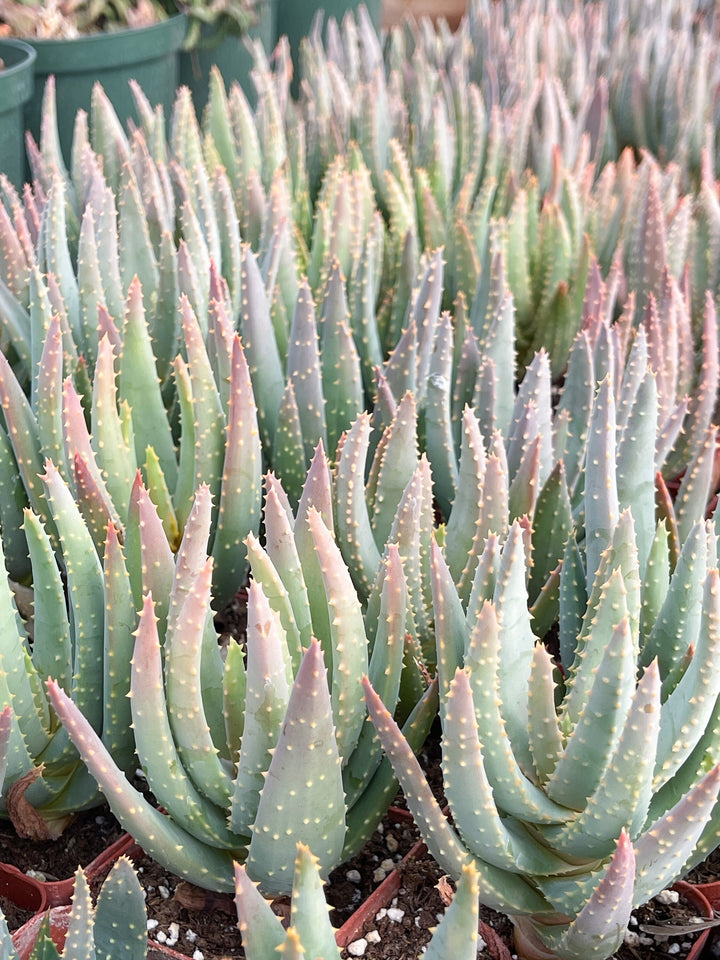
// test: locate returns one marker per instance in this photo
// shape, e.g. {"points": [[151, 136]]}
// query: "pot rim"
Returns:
{"points": [[126, 46]]}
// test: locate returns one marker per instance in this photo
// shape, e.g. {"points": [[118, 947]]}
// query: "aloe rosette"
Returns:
{"points": [[249, 758], [78, 630], [570, 829], [114, 923], [578, 789]]}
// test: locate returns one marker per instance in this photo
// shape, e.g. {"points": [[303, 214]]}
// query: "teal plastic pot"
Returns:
{"points": [[16, 87], [295, 18], [146, 54], [230, 55]]}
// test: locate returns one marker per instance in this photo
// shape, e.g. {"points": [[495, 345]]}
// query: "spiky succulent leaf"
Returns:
{"points": [[120, 920], [499, 886], [157, 833], [302, 799]]}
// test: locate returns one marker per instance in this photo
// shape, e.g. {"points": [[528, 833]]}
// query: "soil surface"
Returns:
{"points": [[203, 925]]}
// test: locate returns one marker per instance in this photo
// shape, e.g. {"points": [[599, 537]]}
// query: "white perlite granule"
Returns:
{"points": [[667, 896], [358, 947]]}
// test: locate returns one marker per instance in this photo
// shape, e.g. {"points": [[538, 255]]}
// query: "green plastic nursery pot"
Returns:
{"points": [[295, 18], [16, 87], [146, 54], [230, 55]]}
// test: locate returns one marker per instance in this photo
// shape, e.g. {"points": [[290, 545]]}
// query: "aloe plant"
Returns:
{"points": [[225, 744], [496, 455], [120, 904], [593, 785], [77, 630], [402, 275], [114, 926]]}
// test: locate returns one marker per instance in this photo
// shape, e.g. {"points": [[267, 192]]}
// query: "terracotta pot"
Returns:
{"points": [[24, 938], [395, 11], [38, 895], [705, 897]]}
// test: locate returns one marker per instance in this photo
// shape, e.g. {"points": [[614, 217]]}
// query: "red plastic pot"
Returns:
{"points": [[32, 894]]}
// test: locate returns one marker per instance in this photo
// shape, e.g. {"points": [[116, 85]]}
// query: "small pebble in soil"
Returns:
{"points": [[353, 876], [358, 947], [372, 936], [673, 948], [391, 843], [395, 914], [668, 896], [633, 939]]}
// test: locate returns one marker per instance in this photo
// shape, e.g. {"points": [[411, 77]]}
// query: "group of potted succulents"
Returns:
{"points": [[421, 352]]}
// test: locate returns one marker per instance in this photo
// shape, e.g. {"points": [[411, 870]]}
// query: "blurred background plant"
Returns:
{"points": [[67, 19]]}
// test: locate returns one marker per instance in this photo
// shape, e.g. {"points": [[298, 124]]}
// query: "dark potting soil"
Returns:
{"points": [[204, 925]]}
